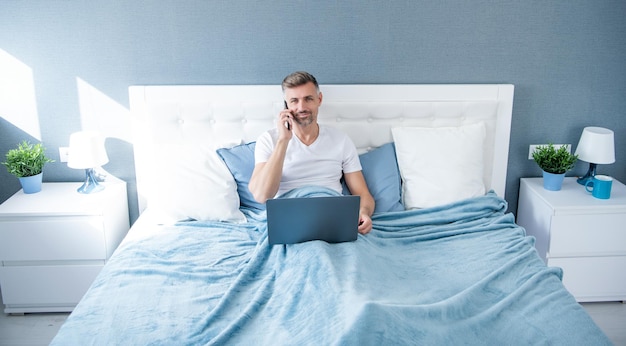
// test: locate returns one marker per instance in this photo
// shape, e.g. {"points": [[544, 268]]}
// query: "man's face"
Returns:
{"points": [[304, 102]]}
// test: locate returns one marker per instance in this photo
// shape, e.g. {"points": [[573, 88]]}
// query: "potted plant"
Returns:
{"points": [[554, 163], [26, 162]]}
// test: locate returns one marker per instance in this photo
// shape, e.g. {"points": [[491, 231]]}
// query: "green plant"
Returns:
{"points": [[552, 160], [27, 160]]}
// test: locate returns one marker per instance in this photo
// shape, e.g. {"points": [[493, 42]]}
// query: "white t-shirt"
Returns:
{"points": [[322, 163]]}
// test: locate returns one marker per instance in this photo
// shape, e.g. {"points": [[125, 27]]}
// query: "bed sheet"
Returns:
{"points": [[460, 273]]}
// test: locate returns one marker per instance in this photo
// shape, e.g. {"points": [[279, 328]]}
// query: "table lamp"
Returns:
{"points": [[597, 147], [87, 152]]}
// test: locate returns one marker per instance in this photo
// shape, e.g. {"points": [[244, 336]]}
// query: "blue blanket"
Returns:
{"points": [[463, 273]]}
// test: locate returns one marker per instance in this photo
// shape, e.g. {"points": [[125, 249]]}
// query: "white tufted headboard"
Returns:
{"points": [[215, 116]]}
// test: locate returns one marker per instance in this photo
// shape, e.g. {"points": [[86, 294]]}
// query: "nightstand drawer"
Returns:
{"points": [[590, 234], [593, 278], [52, 238], [55, 242], [22, 286]]}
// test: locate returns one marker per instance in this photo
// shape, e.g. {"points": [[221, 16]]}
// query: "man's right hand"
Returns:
{"points": [[285, 117]]}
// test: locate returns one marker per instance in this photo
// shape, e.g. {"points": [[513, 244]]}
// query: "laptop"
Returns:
{"points": [[296, 220]]}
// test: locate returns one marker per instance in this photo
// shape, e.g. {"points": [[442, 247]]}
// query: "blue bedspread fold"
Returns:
{"points": [[458, 274]]}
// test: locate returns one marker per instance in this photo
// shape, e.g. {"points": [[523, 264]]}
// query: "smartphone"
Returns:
{"points": [[286, 122]]}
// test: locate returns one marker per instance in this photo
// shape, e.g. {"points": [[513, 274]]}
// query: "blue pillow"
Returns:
{"points": [[240, 161], [382, 175]]}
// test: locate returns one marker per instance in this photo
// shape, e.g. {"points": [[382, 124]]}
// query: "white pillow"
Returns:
{"points": [[440, 165], [194, 183]]}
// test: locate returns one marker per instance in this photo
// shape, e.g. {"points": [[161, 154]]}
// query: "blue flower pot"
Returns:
{"points": [[31, 184], [552, 182]]}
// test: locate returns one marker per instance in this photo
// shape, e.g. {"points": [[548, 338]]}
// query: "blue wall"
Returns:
{"points": [[566, 58]]}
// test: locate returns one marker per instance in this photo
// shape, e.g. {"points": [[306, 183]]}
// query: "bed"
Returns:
{"points": [[444, 264]]}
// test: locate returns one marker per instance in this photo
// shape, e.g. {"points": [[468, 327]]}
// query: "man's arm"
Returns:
{"points": [[265, 179], [356, 184]]}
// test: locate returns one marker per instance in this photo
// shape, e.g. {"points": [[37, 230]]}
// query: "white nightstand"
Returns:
{"points": [[583, 235], [54, 243]]}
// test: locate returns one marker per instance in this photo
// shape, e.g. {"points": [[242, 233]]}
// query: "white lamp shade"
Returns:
{"points": [[596, 145], [86, 150]]}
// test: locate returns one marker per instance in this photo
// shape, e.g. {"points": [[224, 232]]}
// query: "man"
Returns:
{"points": [[300, 152]]}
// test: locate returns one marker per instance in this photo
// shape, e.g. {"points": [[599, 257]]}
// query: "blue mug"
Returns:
{"points": [[600, 186]]}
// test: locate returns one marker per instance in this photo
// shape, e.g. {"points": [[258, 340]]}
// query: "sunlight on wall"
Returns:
{"points": [[99, 112], [17, 95]]}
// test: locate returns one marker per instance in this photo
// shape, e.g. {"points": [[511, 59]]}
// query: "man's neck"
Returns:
{"points": [[308, 134]]}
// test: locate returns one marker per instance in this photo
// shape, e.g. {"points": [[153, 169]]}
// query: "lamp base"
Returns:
{"points": [[91, 184], [589, 175]]}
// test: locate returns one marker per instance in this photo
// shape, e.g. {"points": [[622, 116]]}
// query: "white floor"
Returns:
{"points": [[611, 318], [30, 329], [39, 329]]}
